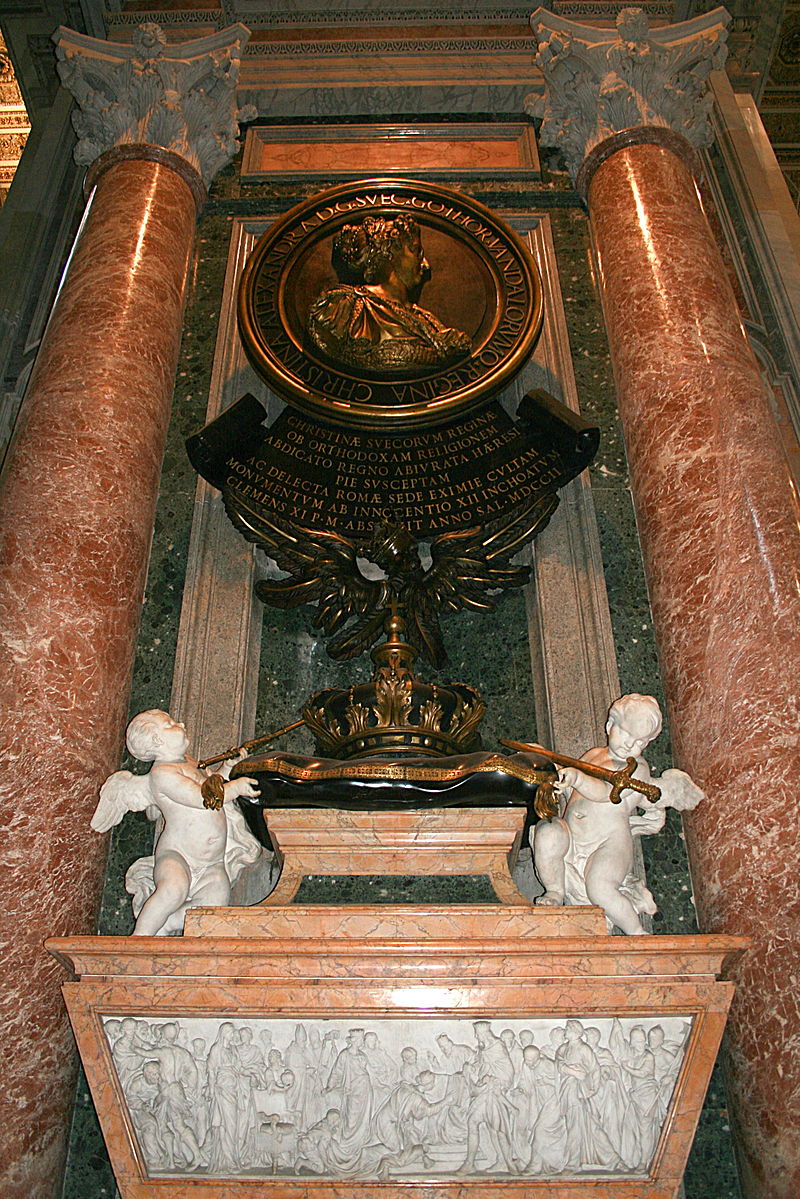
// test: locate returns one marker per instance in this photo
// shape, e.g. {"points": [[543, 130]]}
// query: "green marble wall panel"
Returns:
{"points": [[396, 888], [488, 650]]}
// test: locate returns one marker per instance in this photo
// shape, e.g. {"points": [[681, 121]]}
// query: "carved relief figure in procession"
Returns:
{"points": [[548, 1135], [587, 1142], [585, 856], [232, 1114], [370, 320], [129, 1050], [402, 1124], [644, 1110], [201, 840], [490, 1077], [177, 1064], [596, 1100], [303, 1101], [350, 1082], [143, 1093]]}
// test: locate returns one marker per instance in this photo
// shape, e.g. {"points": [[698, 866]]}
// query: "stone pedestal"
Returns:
{"points": [[407, 1024], [448, 841]]}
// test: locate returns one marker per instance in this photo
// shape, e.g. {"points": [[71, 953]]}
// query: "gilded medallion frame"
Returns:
{"points": [[484, 281]]}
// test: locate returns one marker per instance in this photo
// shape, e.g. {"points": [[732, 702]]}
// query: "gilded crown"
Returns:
{"points": [[395, 713]]}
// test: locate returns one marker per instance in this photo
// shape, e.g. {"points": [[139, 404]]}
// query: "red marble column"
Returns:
{"points": [[77, 506], [718, 520]]}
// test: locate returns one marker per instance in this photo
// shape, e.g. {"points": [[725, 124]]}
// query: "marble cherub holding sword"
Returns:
{"points": [[585, 856], [202, 841]]}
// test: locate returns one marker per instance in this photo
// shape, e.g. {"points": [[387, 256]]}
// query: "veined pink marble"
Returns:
{"points": [[77, 508], [396, 921], [356, 963], [718, 521], [438, 841]]}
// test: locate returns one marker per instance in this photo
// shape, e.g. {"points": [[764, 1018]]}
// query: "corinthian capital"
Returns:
{"points": [[601, 81], [180, 97]]}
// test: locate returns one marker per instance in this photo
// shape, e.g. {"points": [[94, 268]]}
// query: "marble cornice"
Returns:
{"points": [[362, 48], [264, 18], [258, 16]]}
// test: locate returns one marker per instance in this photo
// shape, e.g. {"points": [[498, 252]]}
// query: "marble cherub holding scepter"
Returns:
{"points": [[202, 840], [586, 855]]}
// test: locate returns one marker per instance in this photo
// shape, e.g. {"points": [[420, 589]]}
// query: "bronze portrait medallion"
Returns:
{"points": [[389, 304]]}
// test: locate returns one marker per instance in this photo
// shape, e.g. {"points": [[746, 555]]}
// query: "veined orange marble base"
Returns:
{"points": [[407, 974], [440, 841]]}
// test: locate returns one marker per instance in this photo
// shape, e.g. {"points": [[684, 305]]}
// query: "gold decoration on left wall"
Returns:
{"points": [[14, 123]]}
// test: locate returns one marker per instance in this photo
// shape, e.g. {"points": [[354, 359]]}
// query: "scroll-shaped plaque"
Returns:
{"points": [[440, 514]]}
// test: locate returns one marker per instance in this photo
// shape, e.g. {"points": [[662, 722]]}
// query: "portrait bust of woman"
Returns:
{"points": [[370, 319]]}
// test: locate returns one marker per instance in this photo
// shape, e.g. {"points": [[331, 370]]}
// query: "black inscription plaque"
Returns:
{"points": [[439, 480]]}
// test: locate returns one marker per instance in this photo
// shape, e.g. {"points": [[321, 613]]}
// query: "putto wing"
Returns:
{"points": [[121, 792], [322, 568], [679, 791]]}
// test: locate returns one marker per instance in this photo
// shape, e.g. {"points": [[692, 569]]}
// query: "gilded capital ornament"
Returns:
{"points": [[179, 97], [599, 82]]}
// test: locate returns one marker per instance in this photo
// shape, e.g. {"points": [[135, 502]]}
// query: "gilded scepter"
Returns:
{"points": [[248, 746]]}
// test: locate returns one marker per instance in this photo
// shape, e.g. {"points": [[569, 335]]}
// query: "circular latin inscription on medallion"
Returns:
{"points": [[389, 304]]}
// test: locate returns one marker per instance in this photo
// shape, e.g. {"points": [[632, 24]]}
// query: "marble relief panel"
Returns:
{"points": [[397, 1098], [329, 152]]}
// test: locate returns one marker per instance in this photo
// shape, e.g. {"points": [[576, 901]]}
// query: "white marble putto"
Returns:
{"points": [[202, 841], [213, 1097], [585, 853]]}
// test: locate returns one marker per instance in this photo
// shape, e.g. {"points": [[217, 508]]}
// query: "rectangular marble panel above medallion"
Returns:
{"points": [[414, 150]]}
